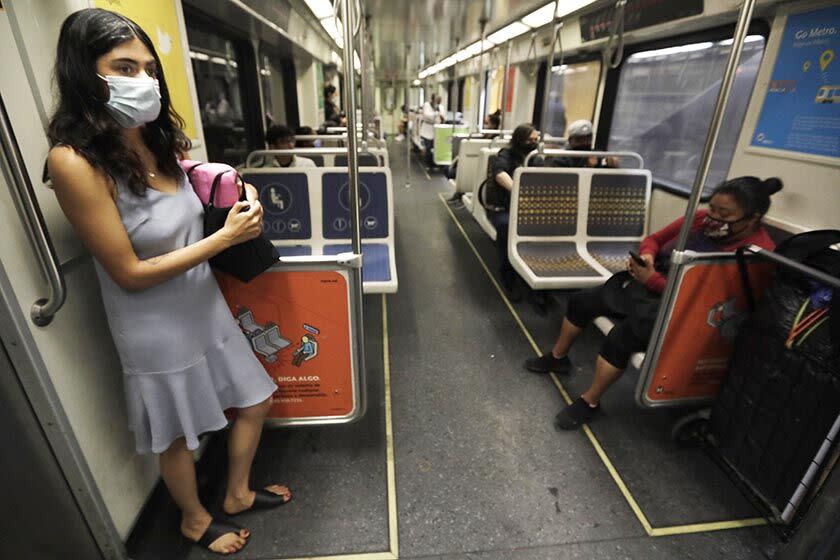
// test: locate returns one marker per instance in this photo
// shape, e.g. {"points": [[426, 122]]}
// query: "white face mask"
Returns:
{"points": [[133, 101]]}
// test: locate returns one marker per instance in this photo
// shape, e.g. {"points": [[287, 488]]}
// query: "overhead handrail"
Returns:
{"points": [[302, 152], [558, 25], [585, 153], [44, 309], [615, 43]]}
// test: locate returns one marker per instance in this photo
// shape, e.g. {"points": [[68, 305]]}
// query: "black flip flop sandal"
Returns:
{"points": [[265, 500], [216, 529]]}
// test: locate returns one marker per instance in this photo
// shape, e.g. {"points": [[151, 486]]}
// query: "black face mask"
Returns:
{"points": [[526, 149]]}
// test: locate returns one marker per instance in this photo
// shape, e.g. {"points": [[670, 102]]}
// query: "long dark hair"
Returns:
{"points": [[81, 120], [750, 193], [520, 136]]}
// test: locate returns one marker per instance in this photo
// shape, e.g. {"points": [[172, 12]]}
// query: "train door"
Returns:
{"points": [[68, 462], [47, 521]]}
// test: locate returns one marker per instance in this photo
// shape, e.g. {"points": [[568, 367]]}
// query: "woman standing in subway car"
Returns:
{"points": [[115, 140]]}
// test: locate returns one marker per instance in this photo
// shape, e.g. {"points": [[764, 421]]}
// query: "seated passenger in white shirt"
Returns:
{"points": [[281, 137]]}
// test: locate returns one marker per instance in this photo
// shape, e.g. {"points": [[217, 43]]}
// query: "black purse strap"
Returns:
{"points": [[741, 258]]}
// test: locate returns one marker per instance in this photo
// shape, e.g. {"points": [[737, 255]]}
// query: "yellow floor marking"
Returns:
{"points": [[423, 167], [707, 527], [389, 436], [393, 532], [631, 501]]}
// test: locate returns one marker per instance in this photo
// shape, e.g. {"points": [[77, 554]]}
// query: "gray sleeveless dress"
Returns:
{"points": [[184, 358]]}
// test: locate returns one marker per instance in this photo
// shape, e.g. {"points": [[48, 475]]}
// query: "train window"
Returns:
{"points": [[216, 63], [271, 81], [664, 107], [278, 85], [574, 88]]}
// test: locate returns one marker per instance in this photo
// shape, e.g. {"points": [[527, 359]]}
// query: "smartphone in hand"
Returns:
{"points": [[639, 260]]}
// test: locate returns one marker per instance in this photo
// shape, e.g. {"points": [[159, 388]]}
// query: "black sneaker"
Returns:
{"points": [[547, 362], [575, 415]]}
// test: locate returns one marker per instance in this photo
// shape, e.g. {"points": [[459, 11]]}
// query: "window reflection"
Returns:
{"points": [[572, 95], [218, 85], [665, 102]]}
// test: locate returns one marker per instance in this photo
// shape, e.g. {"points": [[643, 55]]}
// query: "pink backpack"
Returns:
{"points": [[203, 176]]}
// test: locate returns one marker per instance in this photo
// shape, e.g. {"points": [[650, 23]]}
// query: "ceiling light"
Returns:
{"points": [[569, 6], [748, 39], [199, 55], [509, 32], [540, 17], [671, 50], [321, 8], [415, 83], [332, 25]]}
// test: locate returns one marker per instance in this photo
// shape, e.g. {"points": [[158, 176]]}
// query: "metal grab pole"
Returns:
{"points": [[481, 72], [546, 89], [717, 117], [505, 85], [353, 184], [678, 256], [365, 92], [408, 139], [455, 93]]}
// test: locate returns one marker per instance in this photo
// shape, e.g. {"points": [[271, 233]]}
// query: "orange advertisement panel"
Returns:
{"points": [[298, 324], [698, 342]]}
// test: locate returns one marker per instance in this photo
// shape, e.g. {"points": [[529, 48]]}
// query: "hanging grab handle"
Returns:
{"points": [[615, 44]]}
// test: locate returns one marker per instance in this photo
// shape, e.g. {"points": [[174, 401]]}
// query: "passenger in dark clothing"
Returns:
{"points": [[332, 116], [497, 198], [631, 298], [580, 138]]}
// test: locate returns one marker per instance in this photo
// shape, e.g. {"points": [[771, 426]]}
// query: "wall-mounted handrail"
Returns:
{"points": [[585, 153], [809, 271], [43, 310]]}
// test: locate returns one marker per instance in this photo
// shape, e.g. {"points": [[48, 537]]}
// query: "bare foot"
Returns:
{"points": [[237, 504], [194, 528]]}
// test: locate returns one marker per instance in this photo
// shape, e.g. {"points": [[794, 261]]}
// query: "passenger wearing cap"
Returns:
{"points": [[580, 138]]}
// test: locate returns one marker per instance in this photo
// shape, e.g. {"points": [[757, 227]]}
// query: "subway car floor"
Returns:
{"points": [[478, 470]]}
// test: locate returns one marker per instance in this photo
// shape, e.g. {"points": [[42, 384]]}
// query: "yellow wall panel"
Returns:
{"points": [[159, 19]]}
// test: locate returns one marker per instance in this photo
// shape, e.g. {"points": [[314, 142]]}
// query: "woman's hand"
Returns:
{"points": [[641, 273], [242, 226]]}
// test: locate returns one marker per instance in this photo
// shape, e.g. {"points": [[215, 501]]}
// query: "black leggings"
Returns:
{"points": [[501, 221], [621, 342]]}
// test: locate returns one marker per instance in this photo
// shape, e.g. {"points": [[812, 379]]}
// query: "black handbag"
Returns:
{"points": [[244, 261]]}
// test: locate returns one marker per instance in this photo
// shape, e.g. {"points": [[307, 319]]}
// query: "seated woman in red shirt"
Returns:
{"points": [[733, 220]]}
